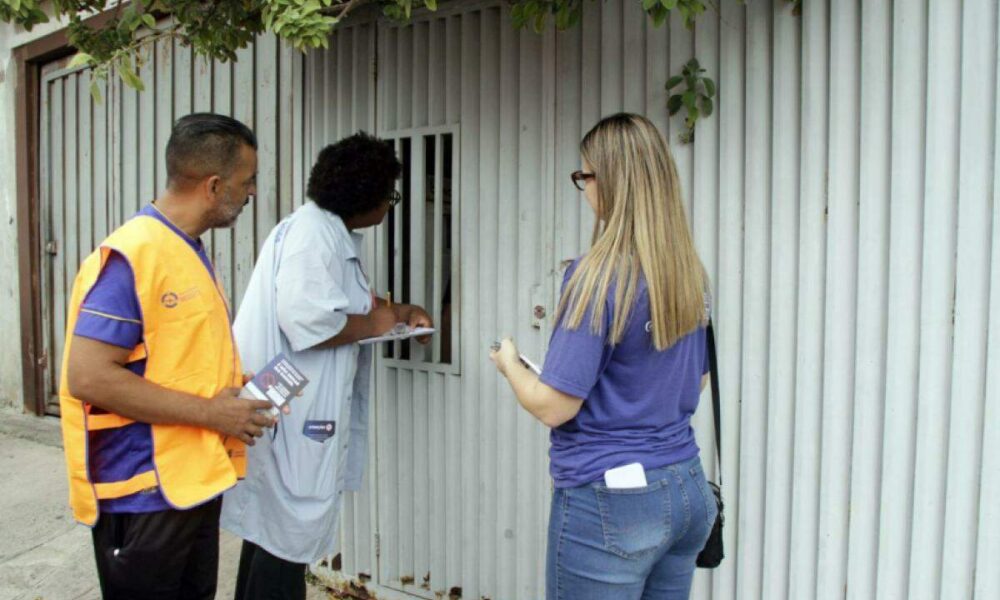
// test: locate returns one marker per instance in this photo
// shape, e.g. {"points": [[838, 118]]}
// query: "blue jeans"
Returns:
{"points": [[629, 543]]}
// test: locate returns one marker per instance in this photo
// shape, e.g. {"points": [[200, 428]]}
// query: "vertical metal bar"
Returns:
{"points": [[611, 44], [201, 98], [222, 255], [977, 108], [85, 156], [872, 300], [784, 301], [418, 232], [266, 126], [437, 90], [633, 65], [471, 328], [908, 112], [70, 149], [164, 92], [404, 77], [812, 294], [397, 247], [244, 84], [419, 74], [756, 298], [437, 283], [102, 149], [61, 280], [488, 242], [388, 473], [937, 298], [146, 133]]}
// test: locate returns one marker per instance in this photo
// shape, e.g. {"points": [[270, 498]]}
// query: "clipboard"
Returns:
{"points": [[400, 332]]}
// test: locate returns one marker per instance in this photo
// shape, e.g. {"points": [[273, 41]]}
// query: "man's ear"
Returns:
{"points": [[213, 186]]}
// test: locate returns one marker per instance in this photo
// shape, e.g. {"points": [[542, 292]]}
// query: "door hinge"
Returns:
{"points": [[43, 360], [52, 247], [378, 546]]}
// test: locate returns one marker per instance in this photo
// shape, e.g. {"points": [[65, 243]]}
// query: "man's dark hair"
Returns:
{"points": [[354, 175], [205, 144]]}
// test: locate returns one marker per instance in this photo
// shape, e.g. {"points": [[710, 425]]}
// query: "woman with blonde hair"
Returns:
{"points": [[624, 370]]}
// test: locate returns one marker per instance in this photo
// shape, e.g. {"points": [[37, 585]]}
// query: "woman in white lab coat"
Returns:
{"points": [[309, 297]]}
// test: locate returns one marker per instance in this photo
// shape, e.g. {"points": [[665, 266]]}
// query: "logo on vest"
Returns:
{"points": [[649, 326], [170, 299]]}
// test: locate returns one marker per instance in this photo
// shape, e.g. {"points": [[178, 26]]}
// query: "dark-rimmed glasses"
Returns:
{"points": [[580, 179], [394, 198]]}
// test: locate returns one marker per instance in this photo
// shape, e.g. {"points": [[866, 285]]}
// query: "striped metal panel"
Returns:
{"points": [[844, 202], [101, 162]]}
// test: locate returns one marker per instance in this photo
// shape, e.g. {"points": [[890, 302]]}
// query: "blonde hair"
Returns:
{"points": [[641, 228]]}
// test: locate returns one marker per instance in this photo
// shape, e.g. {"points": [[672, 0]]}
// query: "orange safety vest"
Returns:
{"points": [[188, 347]]}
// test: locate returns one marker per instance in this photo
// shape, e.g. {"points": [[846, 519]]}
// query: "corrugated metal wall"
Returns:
{"points": [[101, 162], [843, 198], [844, 201]]}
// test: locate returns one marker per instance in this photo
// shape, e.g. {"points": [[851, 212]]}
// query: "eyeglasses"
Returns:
{"points": [[580, 179], [394, 198]]}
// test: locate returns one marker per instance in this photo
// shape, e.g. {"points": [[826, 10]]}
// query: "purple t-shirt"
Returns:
{"points": [[110, 313], [638, 401]]}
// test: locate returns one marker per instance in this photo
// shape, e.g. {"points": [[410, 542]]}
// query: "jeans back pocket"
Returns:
{"points": [[635, 520]]}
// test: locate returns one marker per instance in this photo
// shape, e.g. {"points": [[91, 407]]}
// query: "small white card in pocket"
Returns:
{"points": [[625, 477]]}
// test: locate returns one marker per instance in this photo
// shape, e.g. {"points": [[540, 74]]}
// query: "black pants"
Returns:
{"points": [[164, 555], [264, 576]]}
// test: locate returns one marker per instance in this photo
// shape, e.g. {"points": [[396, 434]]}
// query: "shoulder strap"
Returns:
{"points": [[713, 365]]}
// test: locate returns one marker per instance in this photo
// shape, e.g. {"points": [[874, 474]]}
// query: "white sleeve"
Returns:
{"points": [[311, 304]]}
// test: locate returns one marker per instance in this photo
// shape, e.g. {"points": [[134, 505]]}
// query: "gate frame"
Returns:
{"points": [[29, 59]]}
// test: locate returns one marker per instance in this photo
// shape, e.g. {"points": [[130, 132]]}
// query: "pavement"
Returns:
{"points": [[44, 554]]}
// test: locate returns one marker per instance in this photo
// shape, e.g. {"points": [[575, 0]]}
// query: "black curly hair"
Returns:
{"points": [[354, 176]]}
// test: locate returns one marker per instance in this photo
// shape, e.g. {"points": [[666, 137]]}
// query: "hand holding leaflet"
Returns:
{"points": [[279, 381]]}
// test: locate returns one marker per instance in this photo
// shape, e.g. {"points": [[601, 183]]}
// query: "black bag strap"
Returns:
{"points": [[713, 366]]}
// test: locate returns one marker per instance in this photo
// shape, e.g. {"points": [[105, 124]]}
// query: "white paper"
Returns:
{"points": [[397, 334], [625, 477]]}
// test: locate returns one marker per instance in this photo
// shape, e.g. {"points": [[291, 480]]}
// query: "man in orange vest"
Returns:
{"points": [[152, 423]]}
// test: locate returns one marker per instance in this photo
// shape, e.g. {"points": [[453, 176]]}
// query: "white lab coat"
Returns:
{"points": [[308, 278]]}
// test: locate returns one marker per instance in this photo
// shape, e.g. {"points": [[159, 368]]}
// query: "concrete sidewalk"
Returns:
{"points": [[43, 553]]}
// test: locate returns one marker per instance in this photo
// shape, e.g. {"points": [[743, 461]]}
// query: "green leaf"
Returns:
{"points": [[127, 73], [431, 4], [669, 4], [95, 91], [149, 20], [709, 86], [81, 58], [659, 15], [540, 22], [674, 104], [648, 4], [674, 81]]}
